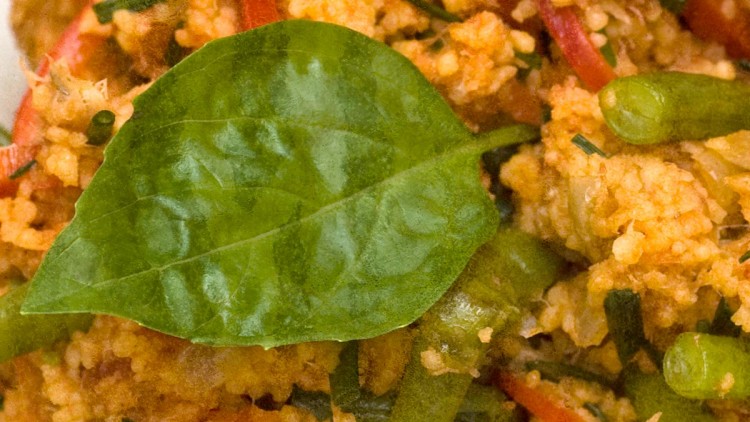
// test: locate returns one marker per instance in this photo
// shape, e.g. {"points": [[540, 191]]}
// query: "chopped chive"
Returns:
{"points": [[316, 402], [533, 61], [106, 9], [625, 322], [5, 136], [546, 113], [437, 45], [100, 128], [674, 6], [745, 256], [595, 411], [22, 170], [722, 324], [586, 146], [608, 52], [435, 11]]}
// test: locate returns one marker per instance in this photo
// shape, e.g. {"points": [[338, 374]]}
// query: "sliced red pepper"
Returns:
{"points": [[76, 48], [255, 13], [708, 21], [535, 401], [566, 29]]}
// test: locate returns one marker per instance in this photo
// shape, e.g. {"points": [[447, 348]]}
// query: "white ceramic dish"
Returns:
{"points": [[12, 81]]}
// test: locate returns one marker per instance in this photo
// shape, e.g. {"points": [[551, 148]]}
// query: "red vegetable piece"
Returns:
{"points": [[535, 401], [708, 20], [26, 136], [256, 13], [567, 30]]}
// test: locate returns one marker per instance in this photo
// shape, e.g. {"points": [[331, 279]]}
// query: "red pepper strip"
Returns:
{"points": [[256, 13], [707, 20], [535, 401], [568, 32], [27, 133]]}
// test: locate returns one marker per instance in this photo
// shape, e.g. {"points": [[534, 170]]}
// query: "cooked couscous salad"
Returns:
{"points": [[378, 210]]}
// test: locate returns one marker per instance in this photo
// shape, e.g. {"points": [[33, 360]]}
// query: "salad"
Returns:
{"points": [[393, 210]]}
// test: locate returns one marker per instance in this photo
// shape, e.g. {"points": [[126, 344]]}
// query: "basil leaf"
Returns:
{"points": [[293, 183]]}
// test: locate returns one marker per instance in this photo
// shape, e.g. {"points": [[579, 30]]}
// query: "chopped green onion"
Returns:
{"points": [[608, 52], [586, 146], [5, 136], [435, 11], [106, 9], [437, 45], [533, 61], [316, 402], [745, 256], [674, 6], [2, 402], [596, 411], [722, 324], [744, 64], [22, 170], [175, 53], [625, 322], [546, 113], [100, 128]]}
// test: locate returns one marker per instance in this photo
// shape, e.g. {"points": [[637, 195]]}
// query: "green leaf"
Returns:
{"points": [[293, 183]]}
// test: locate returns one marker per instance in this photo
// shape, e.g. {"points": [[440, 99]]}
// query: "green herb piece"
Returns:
{"points": [[349, 397], [703, 326], [674, 6], [533, 61], [625, 323], [175, 53], [100, 127], [705, 366], [555, 371], [586, 146], [506, 273], [650, 394], [744, 64], [22, 170], [486, 404], [106, 9], [435, 11], [546, 113], [595, 411], [2, 402], [316, 402], [745, 256], [6, 138], [21, 334], [293, 183], [492, 160], [671, 106], [608, 52], [722, 324]]}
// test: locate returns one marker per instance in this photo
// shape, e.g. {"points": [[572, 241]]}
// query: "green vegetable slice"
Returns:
{"points": [[293, 183], [106, 9]]}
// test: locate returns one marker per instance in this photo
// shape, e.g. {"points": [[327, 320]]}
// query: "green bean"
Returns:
{"points": [[705, 366], [502, 276], [649, 395], [21, 334], [672, 106]]}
